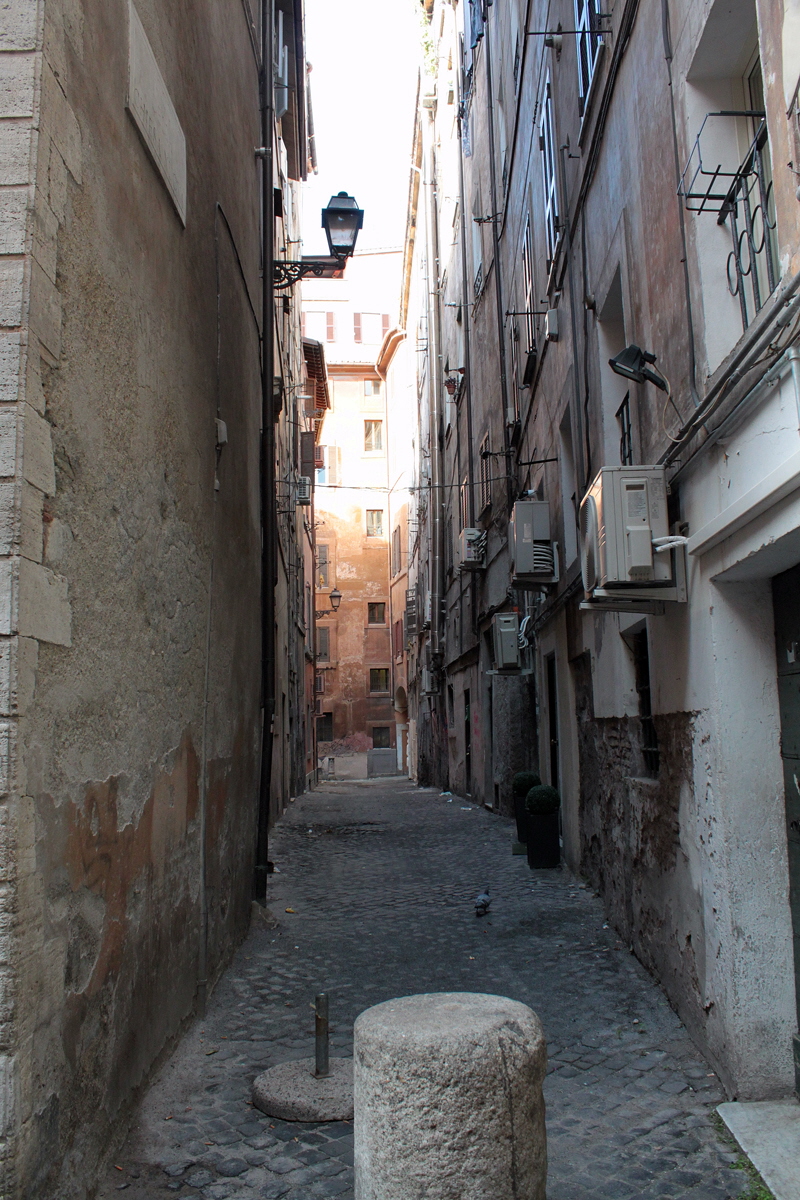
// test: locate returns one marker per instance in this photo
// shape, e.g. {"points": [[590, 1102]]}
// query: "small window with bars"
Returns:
{"points": [[323, 566], [641, 661], [625, 431], [486, 474], [381, 737], [379, 679], [374, 522], [373, 437]]}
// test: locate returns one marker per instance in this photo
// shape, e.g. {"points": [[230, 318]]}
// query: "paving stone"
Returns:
{"points": [[383, 889]]}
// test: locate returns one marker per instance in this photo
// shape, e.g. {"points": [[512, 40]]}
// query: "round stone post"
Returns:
{"points": [[448, 1100]]}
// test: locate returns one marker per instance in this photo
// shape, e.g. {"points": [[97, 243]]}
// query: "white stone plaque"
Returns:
{"points": [[154, 113]]}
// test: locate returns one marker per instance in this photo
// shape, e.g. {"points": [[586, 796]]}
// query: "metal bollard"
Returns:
{"points": [[321, 1030]]}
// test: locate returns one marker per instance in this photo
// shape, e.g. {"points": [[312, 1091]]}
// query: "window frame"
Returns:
{"points": [[380, 691], [376, 532], [547, 146], [373, 426], [589, 46], [381, 604]]}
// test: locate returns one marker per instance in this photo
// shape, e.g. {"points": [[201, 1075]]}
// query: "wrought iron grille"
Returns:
{"points": [[743, 199]]}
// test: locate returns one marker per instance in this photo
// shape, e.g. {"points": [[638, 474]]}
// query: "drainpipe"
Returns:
{"points": [[498, 283], [467, 401], [268, 506], [437, 383]]}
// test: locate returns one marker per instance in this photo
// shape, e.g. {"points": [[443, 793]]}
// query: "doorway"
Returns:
{"points": [[552, 718], [467, 743], [786, 605]]}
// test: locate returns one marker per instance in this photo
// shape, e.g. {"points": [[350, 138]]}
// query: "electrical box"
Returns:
{"points": [[533, 556], [623, 515], [505, 631], [551, 325], [303, 489], [472, 550]]}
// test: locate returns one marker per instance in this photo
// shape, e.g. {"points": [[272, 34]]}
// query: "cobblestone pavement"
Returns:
{"points": [[374, 900]]}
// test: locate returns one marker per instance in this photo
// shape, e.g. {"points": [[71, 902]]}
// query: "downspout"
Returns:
{"points": [[436, 383], [498, 283], [268, 506], [467, 401]]}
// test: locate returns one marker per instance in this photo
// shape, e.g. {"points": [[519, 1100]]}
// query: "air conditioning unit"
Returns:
{"points": [[623, 520], [303, 489], [534, 558], [430, 686], [505, 635], [472, 550]]}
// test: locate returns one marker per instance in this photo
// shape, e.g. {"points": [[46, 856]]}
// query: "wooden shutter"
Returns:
{"points": [[357, 327], [307, 454], [319, 456], [330, 327]]}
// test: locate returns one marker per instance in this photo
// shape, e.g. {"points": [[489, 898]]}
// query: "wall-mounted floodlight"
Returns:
{"points": [[632, 363]]}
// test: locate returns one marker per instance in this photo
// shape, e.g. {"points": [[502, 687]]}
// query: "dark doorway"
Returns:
{"points": [[467, 744], [552, 718], [786, 603]]}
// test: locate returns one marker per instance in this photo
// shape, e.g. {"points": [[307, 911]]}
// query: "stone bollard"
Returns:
{"points": [[448, 1100]]}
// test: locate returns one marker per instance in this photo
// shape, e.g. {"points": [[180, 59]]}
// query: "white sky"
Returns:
{"points": [[365, 56]]}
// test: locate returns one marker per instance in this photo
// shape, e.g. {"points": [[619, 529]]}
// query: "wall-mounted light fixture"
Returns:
{"points": [[341, 220], [335, 598], [632, 363]]}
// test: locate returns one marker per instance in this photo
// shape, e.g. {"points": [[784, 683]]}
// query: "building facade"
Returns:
{"points": [[602, 184], [131, 422]]}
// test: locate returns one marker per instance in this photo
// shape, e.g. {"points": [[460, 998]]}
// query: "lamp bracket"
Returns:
{"points": [[285, 272]]}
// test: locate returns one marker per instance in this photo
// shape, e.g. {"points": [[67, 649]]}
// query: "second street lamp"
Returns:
{"points": [[335, 598], [341, 220]]}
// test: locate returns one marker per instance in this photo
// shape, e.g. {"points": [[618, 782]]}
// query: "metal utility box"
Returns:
{"points": [[505, 628], [533, 554], [472, 550]]}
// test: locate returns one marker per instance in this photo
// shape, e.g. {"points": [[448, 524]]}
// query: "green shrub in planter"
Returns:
{"points": [[521, 784], [542, 804]]}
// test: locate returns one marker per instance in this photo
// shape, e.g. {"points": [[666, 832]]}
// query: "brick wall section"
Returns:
{"points": [[39, 144]]}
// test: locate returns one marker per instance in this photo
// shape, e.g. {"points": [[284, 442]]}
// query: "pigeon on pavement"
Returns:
{"points": [[482, 903]]}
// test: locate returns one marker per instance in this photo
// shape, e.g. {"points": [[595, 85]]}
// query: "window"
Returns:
{"points": [[641, 662], [373, 436], [320, 459], [325, 727], [323, 643], [588, 42], [397, 638], [376, 614], [625, 432], [486, 474], [321, 326], [527, 285], [379, 679], [374, 522], [547, 145], [370, 327], [381, 737], [323, 574], [319, 682], [463, 496], [372, 387], [396, 564]]}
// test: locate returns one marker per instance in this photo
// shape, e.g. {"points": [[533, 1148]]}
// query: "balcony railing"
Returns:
{"points": [[743, 199]]}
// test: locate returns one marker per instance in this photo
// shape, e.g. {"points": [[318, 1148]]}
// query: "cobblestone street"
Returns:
{"points": [[373, 899]]}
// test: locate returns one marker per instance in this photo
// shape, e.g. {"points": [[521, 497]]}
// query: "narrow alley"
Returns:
{"points": [[357, 910]]}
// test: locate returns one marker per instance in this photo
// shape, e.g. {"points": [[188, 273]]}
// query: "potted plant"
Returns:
{"points": [[542, 804], [521, 784]]}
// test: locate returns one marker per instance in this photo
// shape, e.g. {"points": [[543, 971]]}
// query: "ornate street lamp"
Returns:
{"points": [[335, 599], [341, 221]]}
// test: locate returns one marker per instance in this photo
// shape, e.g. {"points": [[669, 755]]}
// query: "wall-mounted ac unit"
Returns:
{"points": [[303, 489], [534, 558], [505, 636], [626, 550], [472, 550], [429, 683]]}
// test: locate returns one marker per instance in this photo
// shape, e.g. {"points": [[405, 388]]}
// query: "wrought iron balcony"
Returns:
{"points": [[742, 199]]}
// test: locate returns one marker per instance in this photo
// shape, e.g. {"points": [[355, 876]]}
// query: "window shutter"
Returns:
{"points": [[307, 454], [385, 324], [319, 456], [302, 324], [357, 327], [330, 327]]}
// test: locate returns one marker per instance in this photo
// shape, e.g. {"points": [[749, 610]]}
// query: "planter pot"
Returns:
{"points": [[520, 813], [542, 840]]}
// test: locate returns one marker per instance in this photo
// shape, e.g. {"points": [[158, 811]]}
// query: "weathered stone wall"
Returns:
{"points": [[130, 604]]}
